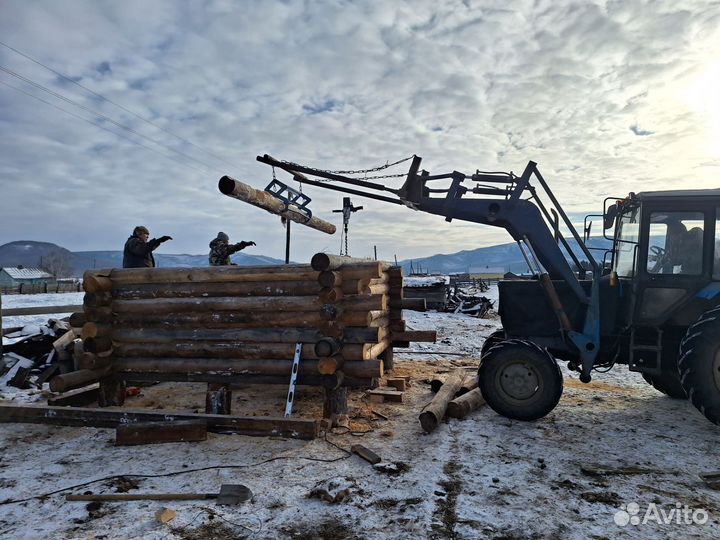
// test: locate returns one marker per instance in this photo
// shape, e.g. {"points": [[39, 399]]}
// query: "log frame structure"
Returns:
{"points": [[232, 324]]}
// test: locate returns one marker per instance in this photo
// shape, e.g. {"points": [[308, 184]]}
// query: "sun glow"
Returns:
{"points": [[701, 97]]}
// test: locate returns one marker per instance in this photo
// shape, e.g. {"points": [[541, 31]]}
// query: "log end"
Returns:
{"points": [[428, 421], [226, 185], [320, 262]]}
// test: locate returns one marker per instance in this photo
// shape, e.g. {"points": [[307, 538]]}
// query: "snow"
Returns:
{"points": [[482, 477], [32, 300], [425, 281]]}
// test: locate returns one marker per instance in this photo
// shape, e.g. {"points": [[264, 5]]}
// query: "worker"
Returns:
{"points": [[138, 249], [220, 249]]}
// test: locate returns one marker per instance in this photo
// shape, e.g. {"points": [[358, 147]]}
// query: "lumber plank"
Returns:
{"points": [[160, 432], [104, 418]]}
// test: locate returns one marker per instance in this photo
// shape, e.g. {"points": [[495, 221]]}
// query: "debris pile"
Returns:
{"points": [[475, 306], [34, 354]]}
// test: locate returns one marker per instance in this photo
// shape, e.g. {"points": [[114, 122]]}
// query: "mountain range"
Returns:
{"points": [[65, 263]]}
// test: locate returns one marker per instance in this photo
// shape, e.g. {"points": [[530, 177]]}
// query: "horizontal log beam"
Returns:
{"points": [[76, 379], [242, 380], [428, 336], [205, 290], [40, 310], [268, 202], [367, 369], [264, 426], [213, 274]]}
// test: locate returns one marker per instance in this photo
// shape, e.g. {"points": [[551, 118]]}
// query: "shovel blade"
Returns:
{"points": [[232, 494]]}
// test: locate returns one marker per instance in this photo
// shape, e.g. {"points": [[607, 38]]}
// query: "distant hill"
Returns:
{"points": [[504, 256], [66, 263]]}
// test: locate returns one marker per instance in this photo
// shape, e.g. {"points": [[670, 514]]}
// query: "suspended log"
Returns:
{"points": [[434, 412], [257, 303], [94, 283], [367, 369], [188, 290], [213, 274], [76, 379], [461, 406], [262, 199]]}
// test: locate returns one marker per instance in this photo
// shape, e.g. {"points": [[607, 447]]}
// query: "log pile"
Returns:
{"points": [[240, 324]]}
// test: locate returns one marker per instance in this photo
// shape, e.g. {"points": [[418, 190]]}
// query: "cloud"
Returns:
{"points": [[338, 85]]}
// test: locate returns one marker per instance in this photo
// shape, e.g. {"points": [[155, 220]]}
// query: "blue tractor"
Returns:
{"points": [[651, 299]]}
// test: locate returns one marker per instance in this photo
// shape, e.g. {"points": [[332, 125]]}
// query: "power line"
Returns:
{"points": [[102, 127], [136, 115], [103, 116]]}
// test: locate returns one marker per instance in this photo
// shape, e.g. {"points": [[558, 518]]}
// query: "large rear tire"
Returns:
{"points": [[699, 364], [520, 380], [668, 383]]}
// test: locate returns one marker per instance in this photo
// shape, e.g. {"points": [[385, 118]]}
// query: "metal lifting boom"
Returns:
{"points": [[498, 205]]}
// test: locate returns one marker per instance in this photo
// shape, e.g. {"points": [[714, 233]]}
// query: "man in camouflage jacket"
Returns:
{"points": [[220, 249]]}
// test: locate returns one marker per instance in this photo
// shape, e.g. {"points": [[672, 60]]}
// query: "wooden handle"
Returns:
{"points": [[141, 497]]}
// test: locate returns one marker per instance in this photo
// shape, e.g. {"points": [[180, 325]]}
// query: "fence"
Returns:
{"points": [[36, 288]]}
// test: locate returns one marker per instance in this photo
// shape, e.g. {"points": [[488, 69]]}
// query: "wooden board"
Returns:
{"points": [[103, 418], [160, 432]]}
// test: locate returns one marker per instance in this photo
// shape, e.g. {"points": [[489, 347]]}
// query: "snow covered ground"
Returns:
{"points": [[613, 460], [32, 300]]}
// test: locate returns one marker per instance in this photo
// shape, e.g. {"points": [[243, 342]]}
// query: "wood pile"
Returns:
{"points": [[239, 323]]}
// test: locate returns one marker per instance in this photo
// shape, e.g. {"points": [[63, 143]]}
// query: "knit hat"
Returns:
{"points": [[137, 231], [223, 236]]}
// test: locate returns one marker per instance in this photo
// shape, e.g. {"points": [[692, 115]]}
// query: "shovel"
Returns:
{"points": [[230, 494]]}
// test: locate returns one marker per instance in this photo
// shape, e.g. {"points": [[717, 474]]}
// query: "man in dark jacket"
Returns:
{"points": [[138, 249], [220, 250]]}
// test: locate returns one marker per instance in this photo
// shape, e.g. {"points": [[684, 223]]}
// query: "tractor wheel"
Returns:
{"points": [[668, 383], [520, 380], [493, 339], [699, 364]]}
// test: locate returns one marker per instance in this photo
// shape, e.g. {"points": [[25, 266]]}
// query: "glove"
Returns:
{"points": [[251, 243], [164, 239]]}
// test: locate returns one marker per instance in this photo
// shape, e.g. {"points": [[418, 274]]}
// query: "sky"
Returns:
{"points": [[607, 97]]}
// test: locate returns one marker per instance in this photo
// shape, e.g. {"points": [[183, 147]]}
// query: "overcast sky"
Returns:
{"points": [[606, 97]]}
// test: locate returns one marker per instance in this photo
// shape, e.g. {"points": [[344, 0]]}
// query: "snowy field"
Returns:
{"points": [[615, 459], [32, 300]]}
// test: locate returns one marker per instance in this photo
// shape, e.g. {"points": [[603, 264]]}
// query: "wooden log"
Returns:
{"points": [[63, 341], [77, 319], [372, 351], [335, 406], [469, 384], [111, 392], [94, 329], [88, 360], [218, 399], [461, 406], [99, 314], [332, 312], [213, 274], [388, 357], [330, 278], [379, 288], [327, 347], [76, 379], [381, 395], [98, 344], [322, 262], [330, 295], [367, 369], [365, 453], [369, 270], [79, 397], [97, 299], [429, 336], [226, 319], [94, 417], [434, 412], [160, 432], [94, 283], [138, 291], [243, 380], [268, 202], [256, 303], [328, 365]]}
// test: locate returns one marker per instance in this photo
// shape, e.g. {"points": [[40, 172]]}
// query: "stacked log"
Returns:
{"points": [[242, 321]]}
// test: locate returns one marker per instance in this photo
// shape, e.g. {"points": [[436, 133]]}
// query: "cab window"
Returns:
{"points": [[675, 243]]}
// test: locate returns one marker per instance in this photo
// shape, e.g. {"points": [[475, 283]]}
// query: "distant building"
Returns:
{"points": [[487, 271], [35, 278], [434, 289]]}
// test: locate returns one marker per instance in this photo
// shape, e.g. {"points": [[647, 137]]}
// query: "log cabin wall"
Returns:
{"points": [[241, 323]]}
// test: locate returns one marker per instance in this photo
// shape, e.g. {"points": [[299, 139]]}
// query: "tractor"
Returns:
{"points": [[650, 299]]}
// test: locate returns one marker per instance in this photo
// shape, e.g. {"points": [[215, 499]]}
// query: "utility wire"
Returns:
{"points": [[103, 127], [103, 116], [136, 115]]}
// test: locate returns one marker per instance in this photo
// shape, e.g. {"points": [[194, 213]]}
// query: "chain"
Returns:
{"points": [[359, 171]]}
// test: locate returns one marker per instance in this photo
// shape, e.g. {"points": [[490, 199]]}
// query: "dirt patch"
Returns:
{"points": [[596, 385], [603, 497], [331, 529], [215, 530], [446, 503]]}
